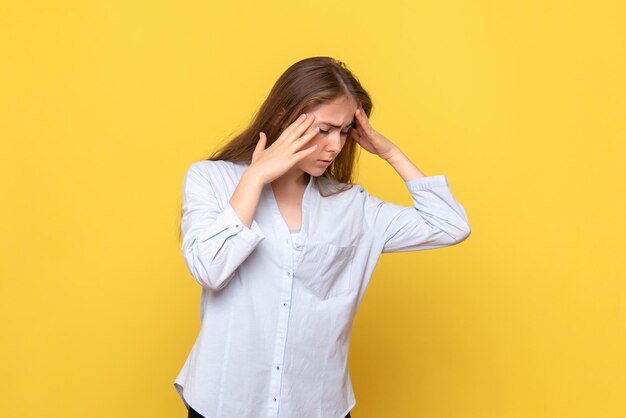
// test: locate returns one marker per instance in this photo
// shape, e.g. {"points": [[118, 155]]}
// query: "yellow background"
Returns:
{"points": [[522, 104]]}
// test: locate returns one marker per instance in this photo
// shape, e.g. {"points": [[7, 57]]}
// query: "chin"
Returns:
{"points": [[314, 170]]}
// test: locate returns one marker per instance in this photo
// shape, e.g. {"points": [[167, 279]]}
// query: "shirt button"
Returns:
{"points": [[277, 367], [285, 304], [275, 399]]}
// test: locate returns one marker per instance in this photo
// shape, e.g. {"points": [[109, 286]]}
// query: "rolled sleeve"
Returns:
{"points": [[435, 220], [229, 221], [215, 241], [424, 183]]}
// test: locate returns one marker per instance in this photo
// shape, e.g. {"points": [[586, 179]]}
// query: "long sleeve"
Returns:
{"points": [[215, 241], [435, 220]]}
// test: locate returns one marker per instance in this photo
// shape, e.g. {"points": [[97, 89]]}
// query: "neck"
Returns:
{"points": [[293, 179]]}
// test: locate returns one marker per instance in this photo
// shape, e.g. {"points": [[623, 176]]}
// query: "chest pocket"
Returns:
{"points": [[325, 269]]}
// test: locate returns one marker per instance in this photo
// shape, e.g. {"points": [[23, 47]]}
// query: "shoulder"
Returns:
{"points": [[342, 191], [217, 170], [218, 176]]}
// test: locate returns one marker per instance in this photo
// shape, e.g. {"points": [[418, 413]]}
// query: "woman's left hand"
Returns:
{"points": [[368, 138]]}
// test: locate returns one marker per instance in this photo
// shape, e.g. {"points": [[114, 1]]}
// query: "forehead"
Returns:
{"points": [[339, 112]]}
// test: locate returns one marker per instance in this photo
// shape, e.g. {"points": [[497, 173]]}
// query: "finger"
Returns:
{"points": [[294, 125], [359, 131], [304, 139], [307, 136], [364, 126], [360, 122], [362, 117], [260, 145], [302, 154], [302, 127]]}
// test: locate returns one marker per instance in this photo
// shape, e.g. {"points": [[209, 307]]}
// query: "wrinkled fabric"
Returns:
{"points": [[276, 312]]}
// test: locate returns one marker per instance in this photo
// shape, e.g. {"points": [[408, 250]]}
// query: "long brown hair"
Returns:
{"points": [[304, 85]]}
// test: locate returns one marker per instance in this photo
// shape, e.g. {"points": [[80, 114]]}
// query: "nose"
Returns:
{"points": [[334, 142]]}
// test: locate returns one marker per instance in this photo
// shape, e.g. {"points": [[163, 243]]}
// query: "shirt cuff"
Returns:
{"points": [[252, 235], [423, 183]]}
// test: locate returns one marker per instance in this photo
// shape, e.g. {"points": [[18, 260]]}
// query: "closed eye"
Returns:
{"points": [[326, 132]]}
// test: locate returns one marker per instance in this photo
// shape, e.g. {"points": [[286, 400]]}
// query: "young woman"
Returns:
{"points": [[284, 244]]}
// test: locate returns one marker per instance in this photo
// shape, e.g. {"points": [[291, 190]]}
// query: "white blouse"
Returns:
{"points": [[277, 309]]}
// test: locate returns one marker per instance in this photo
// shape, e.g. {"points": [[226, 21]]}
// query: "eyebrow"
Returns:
{"points": [[337, 126]]}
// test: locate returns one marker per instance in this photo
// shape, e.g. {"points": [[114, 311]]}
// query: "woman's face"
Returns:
{"points": [[333, 119]]}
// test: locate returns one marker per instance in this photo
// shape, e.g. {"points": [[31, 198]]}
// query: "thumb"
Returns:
{"points": [[260, 145]]}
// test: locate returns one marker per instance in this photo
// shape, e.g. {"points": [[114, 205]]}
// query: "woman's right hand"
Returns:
{"points": [[271, 163]]}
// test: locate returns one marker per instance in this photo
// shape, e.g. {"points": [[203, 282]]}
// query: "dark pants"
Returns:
{"points": [[194, 414]]}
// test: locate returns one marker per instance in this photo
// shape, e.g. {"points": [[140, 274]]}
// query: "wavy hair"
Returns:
{"points": [[305, 84]]}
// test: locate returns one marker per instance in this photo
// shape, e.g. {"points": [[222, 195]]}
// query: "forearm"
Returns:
{"points": [[403, 165], [245, 198]]}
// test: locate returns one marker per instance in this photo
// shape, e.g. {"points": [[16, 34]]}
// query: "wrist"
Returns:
{"points": [[252, 178], [391, 155]]}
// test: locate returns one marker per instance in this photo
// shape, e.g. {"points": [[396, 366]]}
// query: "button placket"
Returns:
{"points": [[291, 256], [282, 329]]}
